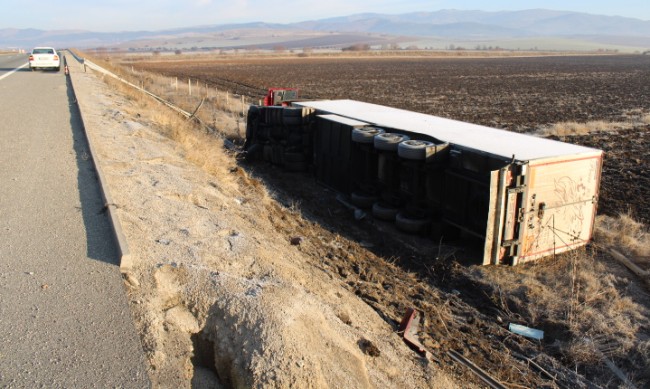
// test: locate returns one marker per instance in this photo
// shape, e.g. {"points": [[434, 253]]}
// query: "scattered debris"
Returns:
{"points": [[359, 214], [296, 240], [409, 329], [526, 331]]}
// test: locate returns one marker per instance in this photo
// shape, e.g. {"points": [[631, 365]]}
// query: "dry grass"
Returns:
{"points": [[220, 109], [563, 129], [645, 119], [633, 118], [203, 149], [582, 307], [625, 234]]}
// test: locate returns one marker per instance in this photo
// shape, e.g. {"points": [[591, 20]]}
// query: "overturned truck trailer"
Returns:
{"points": [[525, 197]]}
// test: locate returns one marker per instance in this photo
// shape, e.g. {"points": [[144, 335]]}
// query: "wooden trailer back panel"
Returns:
{"points": [[542, 207], [561, 198]]}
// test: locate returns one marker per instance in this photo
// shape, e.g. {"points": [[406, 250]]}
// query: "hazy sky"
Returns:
{"points": [[120, 15]]}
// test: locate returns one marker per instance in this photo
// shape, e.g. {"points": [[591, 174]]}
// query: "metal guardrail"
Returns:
{"points": [[79, 59], [88, 63]]}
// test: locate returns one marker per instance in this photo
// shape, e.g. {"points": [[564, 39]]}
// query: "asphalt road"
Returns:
{"points": [[64, 316]]}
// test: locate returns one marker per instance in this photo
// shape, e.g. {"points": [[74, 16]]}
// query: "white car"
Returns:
{"points": [[44, 58]]}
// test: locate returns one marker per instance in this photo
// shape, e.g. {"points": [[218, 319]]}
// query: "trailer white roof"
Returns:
{"points": [[491, 140]]}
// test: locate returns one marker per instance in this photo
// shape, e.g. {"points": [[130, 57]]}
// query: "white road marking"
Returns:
{"points": [[13, 71]]}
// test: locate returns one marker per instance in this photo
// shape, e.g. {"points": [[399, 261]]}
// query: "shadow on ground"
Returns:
{"points": [[100, 240]]}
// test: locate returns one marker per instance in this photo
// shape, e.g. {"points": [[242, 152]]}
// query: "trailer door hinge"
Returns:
{"points": [[517, 189]]}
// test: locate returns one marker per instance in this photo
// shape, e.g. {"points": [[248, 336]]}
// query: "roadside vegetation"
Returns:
{"points": [[566, 129]]}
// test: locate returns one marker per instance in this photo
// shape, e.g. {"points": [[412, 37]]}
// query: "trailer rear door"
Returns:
{"points": [[560, 205], [541, 208]]}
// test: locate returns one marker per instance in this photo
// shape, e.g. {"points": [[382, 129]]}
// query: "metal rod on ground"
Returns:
{"points": [[228, 100], [189, 86], [539, 368], [480, 373], [243, 107], [627, 263], [618, 372]]}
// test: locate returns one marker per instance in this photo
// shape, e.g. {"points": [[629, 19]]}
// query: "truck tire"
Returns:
{"points": [[389, 141], [384, 211], [416, 150], [365, 134], [413, 225], [363, 200]]}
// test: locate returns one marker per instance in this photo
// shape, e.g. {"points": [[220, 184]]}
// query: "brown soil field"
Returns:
{"points": [[468, 308], [518, 94]]}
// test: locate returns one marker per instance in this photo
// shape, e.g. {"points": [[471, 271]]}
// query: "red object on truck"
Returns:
{"points": [[280, 96]]}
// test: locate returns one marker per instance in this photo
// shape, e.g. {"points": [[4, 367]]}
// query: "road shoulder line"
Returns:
{"points": [[13, 71]]}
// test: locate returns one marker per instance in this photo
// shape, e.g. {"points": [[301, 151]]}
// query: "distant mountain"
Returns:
{"points": [[368, 27], [471, 23]]}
